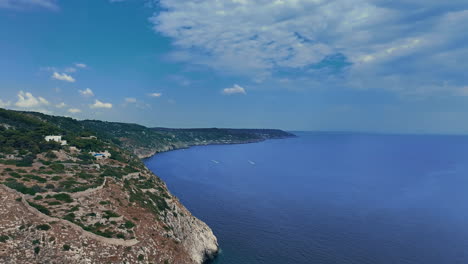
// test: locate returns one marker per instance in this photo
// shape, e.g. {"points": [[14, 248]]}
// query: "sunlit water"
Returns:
{"points": [[329, 198]]}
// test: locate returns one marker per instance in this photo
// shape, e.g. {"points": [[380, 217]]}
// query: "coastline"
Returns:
{"points": [[209, 257], [187, 146]]}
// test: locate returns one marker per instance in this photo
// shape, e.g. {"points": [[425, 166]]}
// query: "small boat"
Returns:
{"points": [[215, 161], [251, 162]]}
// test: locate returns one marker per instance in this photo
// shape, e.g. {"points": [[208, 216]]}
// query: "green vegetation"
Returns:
{"points": [[108, 214], [154, 202], [113, 172], [43, 227], [56, 178], [40, 208], [129, 224], [74, 208], [50, 155], [57, 167], [64, 197], [70, 217], [4, 238], [36, 250], [35, 177], [28, 135], [15, 175], [63, 171], [20, 187]]}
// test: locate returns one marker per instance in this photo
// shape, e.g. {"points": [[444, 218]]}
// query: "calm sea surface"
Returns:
{"points": [[329, 198]]}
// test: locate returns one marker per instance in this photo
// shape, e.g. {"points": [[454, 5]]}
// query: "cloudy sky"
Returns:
{"points": [[354, 65]]}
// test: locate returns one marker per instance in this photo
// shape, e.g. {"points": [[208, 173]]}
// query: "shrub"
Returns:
{"points": [[20, 187], [46, 162], [70, 217], [27, 161], [64, 197], [56, 178], [40, 208], [15, 175], [66, 247], [35, 177], [113, 172], [43, 227], [57, 167], [108, 214], [4, 238], [129, 224], [36, 250], [74, 208], [50, 155], [85, 176]]}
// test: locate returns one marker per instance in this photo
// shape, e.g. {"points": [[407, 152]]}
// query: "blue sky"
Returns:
{"points": [[354, 65]]}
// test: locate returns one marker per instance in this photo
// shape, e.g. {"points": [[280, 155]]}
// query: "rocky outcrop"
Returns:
{"points": [[195, 235], [173, 235]]}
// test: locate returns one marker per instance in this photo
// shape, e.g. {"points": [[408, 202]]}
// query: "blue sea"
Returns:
{"points": [[329, 198]]}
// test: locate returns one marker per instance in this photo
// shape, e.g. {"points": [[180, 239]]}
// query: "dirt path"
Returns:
{"points": [[111, 241]]}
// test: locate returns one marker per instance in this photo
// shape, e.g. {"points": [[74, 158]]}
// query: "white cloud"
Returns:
{"points": [[27, 100], [262, 35], [24, 4], [415, 44], [236, 89], [43, 101], [86, 93], [130, 100], [99, 104], [60, 105], [70, 69], [155, 94], [62, 77], [81, 65], [4, 104], [74, 110]]}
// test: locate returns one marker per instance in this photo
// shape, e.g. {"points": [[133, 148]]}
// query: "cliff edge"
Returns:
{"points": [[77, 192]]}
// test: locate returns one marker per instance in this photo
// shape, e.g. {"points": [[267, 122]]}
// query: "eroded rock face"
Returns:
{"points": [[194, 234]]}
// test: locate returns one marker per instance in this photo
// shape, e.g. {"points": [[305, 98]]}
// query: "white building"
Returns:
{"points": [[57, 139], [101, 155]]}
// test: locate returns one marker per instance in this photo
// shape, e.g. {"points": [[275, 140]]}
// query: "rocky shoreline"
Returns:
{"points": [[145, 153], [203, 246]]}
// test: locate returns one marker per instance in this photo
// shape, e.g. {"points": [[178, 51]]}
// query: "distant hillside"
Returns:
{"points": [[145, 142], [93, 200]]}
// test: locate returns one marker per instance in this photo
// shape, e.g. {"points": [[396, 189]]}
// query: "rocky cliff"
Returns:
{"points": [[59, 204], [129, 218]]}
